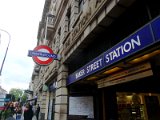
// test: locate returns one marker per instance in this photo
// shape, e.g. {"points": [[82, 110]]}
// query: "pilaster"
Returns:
{"points": [[61, 101], [43, 105]]}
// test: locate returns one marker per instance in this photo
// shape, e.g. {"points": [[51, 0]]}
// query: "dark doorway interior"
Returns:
{"points": [[153, 107]]}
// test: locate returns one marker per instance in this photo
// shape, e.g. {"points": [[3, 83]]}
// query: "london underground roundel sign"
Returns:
{"points": [[43, 60], [43, 55]]}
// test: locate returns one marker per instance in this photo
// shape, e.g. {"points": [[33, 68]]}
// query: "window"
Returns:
{"points": [[68, 16], [81, 3], [59, 31]]}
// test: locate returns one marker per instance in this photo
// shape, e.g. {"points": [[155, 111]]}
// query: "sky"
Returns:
{"points": [[20, 19]]}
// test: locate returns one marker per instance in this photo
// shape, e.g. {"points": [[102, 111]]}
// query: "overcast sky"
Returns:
{"points": [[20, 18]]}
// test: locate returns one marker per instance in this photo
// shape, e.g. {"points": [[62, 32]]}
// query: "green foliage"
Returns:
{"points": [[5, 114], [18, 93], [24, 97]]}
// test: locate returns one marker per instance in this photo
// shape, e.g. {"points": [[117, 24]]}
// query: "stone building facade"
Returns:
{"points": [[107, 49]]}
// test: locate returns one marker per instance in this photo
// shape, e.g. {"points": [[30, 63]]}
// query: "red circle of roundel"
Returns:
{"points": [[39, 61]]}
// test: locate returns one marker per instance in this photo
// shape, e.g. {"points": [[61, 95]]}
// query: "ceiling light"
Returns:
{"points": [[112, 70], [92, 78]]}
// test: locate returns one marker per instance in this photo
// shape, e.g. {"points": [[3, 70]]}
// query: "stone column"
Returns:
{"points": [[47, 103], [61, 96], [43, 105]]}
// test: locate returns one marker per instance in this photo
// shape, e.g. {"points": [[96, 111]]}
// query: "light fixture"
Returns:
{"points": [[115, 69], [92, 78], [144, 57]]}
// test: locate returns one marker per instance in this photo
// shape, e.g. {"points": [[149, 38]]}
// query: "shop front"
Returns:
{"points": [[126, 77], [138, 106], [132, 94], [51, 101]]}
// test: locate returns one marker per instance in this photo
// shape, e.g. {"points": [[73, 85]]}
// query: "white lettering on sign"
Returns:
{"points": [[125, 48], [80, 73], [94, 66]]}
